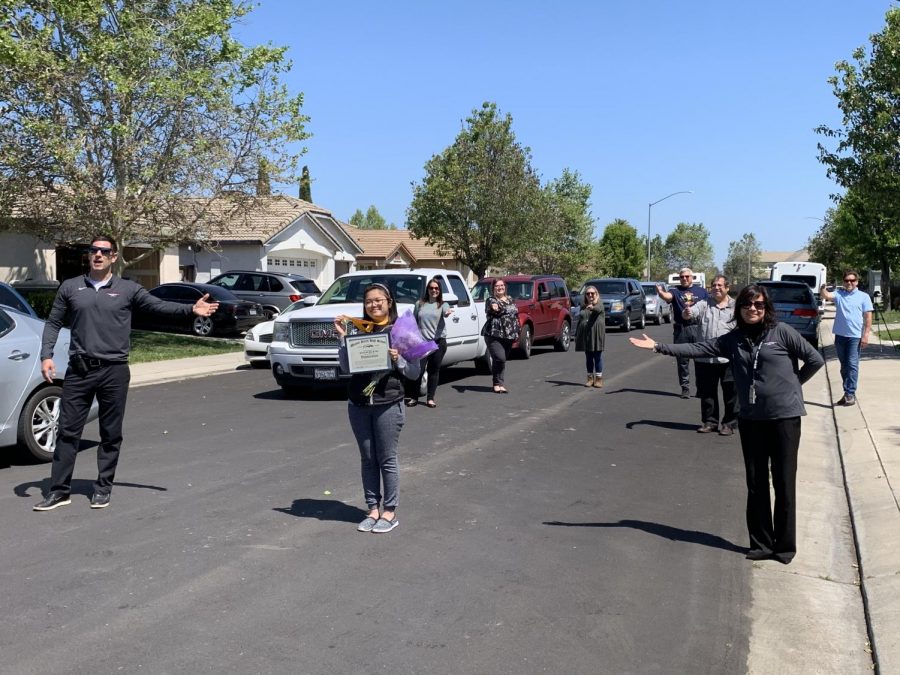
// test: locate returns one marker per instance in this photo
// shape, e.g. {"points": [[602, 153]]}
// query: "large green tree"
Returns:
{"points": [[113, 112], [370, 220], [743, 260], [835, 244], [619, 250], [688, 246], [865, 160], [305, 185], [559, 237], [478, 195]]}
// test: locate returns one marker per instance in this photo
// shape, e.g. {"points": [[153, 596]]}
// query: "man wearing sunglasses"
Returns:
{"points": [[684, 327], [852, 324], [97, 308]]}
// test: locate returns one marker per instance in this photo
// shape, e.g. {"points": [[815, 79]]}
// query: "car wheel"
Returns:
{"points": [[525, 342], [484, 364], [668, 317], [259, 364], [270, 313], [202, 326], [626, 324], [643, 324], [564, 339], [423, 385], [657, 319], [39, 423]]}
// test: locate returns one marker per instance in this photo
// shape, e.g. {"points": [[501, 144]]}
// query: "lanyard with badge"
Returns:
{"points": [[754, 364]]}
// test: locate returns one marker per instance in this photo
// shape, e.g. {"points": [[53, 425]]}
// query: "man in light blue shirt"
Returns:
{"points": [[852, 323]]}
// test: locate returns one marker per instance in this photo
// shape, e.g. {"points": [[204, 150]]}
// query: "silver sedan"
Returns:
{"points": [[29, 406]]}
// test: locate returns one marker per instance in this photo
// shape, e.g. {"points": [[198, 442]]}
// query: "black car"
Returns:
{"points": [[233, 315], [623, 302]]}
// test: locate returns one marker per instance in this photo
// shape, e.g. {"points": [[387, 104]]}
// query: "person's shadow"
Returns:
{"points": [[324, 509], [80, 486], [651, 392], [675, 426], [664, 531]]}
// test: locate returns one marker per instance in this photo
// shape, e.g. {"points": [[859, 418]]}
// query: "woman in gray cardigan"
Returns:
{"points": [[764, 358], [590, 335]]}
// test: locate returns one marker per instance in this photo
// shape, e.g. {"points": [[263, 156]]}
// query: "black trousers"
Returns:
{"points": [[110, 385], [499, 349], [431, 364], [709, 377], [680, 335], [775, 443]]}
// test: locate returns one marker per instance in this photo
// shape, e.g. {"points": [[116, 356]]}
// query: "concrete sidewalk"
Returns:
{"points": [[157, 372], [869, 441]]}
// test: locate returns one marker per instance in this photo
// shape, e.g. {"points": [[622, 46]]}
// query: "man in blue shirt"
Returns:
{"points": [[684, 327], [852, 323]]}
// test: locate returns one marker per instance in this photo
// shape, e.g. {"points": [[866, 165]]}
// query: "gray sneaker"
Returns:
{"points": [[367, 525], [383, 525]]}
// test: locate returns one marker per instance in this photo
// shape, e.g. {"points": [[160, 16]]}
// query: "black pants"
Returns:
{"points": [[775, 442], [431, 364], [682, 334], [110, 385], [709, 377], [499, 349]]}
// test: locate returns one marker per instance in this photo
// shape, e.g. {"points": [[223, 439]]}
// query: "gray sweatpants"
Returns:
{"points": [[377, 430]]}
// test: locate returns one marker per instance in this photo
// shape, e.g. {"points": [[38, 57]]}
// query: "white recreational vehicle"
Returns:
{"points": [[699, 279], [810, 273]]}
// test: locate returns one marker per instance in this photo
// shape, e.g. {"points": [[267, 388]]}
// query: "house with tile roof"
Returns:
{"points": [[386, 249]]}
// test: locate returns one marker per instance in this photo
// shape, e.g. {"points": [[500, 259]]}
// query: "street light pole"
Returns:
{"points": [[649, 207]]}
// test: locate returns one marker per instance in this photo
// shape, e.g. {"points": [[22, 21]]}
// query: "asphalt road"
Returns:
{"points": [[555, 529]]}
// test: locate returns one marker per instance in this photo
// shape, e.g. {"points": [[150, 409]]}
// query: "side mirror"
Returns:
{"points": [[451, 299], [310, 300]]}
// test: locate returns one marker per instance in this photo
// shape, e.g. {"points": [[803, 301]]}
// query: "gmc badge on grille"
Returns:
{"points": [[322, 333]]}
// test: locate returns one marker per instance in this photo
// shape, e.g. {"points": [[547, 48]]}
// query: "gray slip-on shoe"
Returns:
{"points": [[383, 525], [367, 524]]}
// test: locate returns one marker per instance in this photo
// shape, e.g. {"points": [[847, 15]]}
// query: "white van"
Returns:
{"points": [[699, 279], [810, 273]]}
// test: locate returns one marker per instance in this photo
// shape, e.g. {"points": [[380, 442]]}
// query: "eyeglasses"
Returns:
{"points": [[434, 288], [590, 293], [375, 301], [759, 305], [100, 249], [850, 281]]}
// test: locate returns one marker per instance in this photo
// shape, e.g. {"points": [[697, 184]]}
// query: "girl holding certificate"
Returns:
{"points": [[375, 407]]}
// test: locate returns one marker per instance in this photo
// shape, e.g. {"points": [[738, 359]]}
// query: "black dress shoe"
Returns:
{"points": [[783, 558], [100, 500], [758, 554], [51, 501]]}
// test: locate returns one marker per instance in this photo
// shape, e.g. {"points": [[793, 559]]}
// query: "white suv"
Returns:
{"points": [[304, 347]]}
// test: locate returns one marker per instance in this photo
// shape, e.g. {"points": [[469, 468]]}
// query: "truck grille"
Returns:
{"points": [[313, 334]]}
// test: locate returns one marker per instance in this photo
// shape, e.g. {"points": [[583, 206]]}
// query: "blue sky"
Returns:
{"points": [[641, 98]]}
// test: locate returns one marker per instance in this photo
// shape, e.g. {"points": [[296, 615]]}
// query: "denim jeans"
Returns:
{"points": [[847, 349], [377, 430], [594, 362]]}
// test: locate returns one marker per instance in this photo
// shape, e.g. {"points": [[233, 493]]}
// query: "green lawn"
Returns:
{"points": [[891, 317], [148, 346]]}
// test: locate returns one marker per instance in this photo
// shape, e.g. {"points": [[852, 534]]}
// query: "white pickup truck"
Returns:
{"points": [[304, 349]]}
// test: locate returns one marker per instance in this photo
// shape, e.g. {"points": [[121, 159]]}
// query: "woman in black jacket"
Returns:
{"points": [[501, 329], [764, 360], [376, 410]]}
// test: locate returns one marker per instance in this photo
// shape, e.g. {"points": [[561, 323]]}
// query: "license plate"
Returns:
{"points": [[325, 374], [252, 312]]}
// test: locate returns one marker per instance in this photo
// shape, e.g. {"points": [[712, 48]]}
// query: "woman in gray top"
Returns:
{"points": [[764, 358], [430, 312]]}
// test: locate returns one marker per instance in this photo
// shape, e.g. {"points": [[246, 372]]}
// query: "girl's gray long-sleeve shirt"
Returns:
{"points": [[777, 376]]}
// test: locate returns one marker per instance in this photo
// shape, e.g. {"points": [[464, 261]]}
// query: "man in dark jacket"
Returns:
{"points": [[684, 328], [98, 307]]}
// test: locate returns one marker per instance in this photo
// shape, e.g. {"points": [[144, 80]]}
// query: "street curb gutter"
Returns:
{"points": [[159, 372]]}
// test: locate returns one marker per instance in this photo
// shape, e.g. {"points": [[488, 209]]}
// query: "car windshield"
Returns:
{"points": [[809, 280], [608, 287], [517, 290], [12, 299], [649, 289], [406, 288], [794, 295]]}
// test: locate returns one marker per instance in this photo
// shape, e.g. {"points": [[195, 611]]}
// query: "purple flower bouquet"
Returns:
{"points": [[406, 338]]}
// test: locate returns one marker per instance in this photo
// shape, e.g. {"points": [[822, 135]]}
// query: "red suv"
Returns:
{"points": [[544, 304]]}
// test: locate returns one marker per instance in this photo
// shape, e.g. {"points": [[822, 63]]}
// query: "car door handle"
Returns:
{"points": [[18, 356], [474, 317], [455, 319]]}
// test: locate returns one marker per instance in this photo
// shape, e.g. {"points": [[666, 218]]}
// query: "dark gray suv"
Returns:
{"points": [[273, 290], [623, 302]]}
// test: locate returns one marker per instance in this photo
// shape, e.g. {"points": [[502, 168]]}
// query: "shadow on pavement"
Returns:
{"points": [[652, 392], [566, 383], [80, 486], [462, 388], [324, 509], [664, 531], [328, 393], [676, 426]]}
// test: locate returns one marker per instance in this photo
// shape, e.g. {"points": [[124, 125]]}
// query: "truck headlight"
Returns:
{"points": [[617, 306], [282, 331]]}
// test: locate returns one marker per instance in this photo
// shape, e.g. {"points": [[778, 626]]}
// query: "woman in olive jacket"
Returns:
{"points": [[590, 335]]}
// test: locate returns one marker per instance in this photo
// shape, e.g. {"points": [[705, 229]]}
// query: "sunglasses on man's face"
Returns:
{"points": [[849, 281], [104, 250]]}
